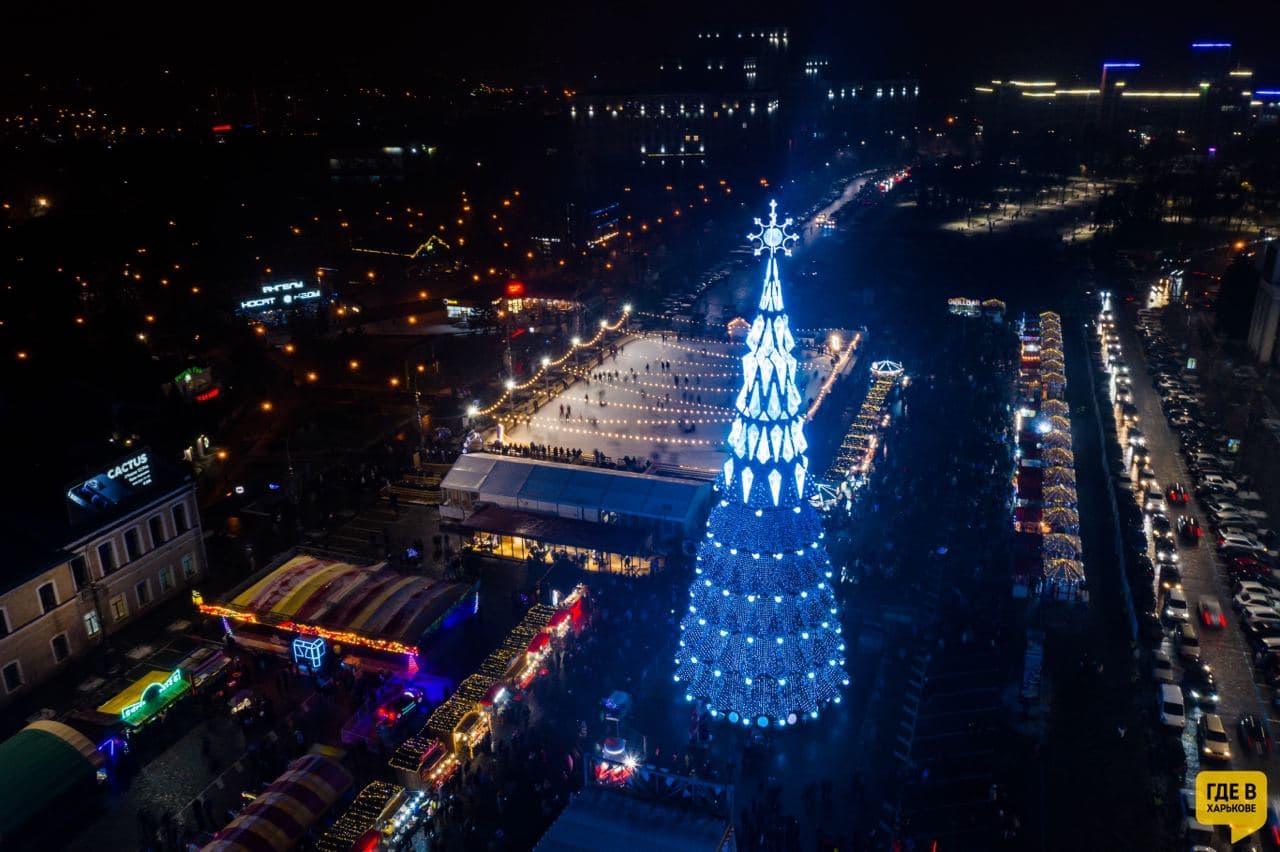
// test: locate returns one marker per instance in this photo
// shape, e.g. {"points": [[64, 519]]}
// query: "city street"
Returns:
{"points": [[1225, 650]]}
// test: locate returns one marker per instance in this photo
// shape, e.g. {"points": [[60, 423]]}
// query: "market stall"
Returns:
{"points": [[39, 765], [283, 813], [147, 698], [370, 607]]}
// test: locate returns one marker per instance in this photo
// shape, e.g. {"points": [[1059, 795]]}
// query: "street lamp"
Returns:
{"points": [[510, 385]]}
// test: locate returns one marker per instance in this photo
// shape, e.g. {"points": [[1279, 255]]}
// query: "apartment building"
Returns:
{"points": [[132, 541]]}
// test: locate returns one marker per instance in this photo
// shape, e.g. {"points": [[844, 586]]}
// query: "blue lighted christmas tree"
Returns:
{"points": [[761, 641]]}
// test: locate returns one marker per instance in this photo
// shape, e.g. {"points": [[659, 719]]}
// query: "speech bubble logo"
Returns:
{"points": [[1235, 799]]}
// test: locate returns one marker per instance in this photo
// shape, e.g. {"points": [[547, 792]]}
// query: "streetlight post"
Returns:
{"points": [[546, 362], [511, 398]]}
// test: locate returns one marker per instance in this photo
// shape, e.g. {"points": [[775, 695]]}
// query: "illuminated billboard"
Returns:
{"points": [[117, 484], [282, 295]]}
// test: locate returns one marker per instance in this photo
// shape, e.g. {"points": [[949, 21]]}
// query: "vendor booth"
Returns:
{"points": [[371, 607], [39, 765], [278, 818]]}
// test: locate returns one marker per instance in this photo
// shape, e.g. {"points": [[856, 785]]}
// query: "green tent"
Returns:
{"points": [[37, 765]]}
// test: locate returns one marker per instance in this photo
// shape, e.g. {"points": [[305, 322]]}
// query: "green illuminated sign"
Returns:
{"points": [[154, 696]]}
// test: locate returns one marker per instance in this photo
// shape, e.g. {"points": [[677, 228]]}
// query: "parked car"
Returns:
{"points": [[1173, 710], [1197, 680], [1213, 739], [1250, 599], [1162, 666], [1188, 641]]}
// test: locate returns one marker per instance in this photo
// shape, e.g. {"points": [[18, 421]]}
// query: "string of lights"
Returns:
{"points": [[845, 354], [550, 363], [686, 405], [625, 436], [671, 344], [537, 421]]}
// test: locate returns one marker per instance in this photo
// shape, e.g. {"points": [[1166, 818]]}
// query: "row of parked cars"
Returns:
{"points": [[1244, 548], [1160, 525]]}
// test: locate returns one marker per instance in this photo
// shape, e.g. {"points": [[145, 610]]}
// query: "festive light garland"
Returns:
{"points": [[691, 406], [346, 637], [513, 386], [625, 436], [841, 361], [360, 817], [671, 344], [641, 421]]}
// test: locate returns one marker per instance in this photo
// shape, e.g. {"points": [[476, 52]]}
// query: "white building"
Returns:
{"points": [[134, 541]]}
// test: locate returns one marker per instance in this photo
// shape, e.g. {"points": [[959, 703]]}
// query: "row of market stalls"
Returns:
{"points": [[280, 816], [454, 729], [370, 616], [1048, 552], [854, 458]]}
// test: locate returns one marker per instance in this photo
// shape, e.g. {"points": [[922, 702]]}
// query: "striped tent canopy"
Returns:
{"points": [[1062, 424], [1064, 570], [1062, 519], [1060, 476], [309, 594], [1056, 438], [1058, 456], [279, 818], [1055, 408], [1052, 362], [1059, 495], [1062, 546], [38, 765], [1053, 378]]}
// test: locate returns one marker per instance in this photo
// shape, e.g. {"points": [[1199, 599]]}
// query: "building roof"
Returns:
{"points": [[37, 765], [284, 812], [599, 818], [375, 602], [519, 483]]}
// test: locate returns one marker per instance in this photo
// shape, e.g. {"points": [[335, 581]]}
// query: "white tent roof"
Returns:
{"points": [[511, 481]]}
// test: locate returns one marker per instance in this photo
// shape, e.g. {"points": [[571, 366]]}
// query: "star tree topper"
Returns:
{"points": [[773, 237]]}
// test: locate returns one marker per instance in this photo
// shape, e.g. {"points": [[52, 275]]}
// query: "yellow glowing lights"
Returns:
{"points": [[1140, 94]]}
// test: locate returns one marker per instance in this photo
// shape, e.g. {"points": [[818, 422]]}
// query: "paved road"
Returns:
{"points": [[1225, 650]]}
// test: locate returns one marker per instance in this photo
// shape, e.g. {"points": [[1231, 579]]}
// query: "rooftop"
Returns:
{"points": [[519, 483]]}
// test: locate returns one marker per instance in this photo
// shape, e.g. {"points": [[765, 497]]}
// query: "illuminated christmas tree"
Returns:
{"points": [[761, 643]]}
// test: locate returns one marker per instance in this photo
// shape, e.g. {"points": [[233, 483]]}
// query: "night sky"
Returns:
{"points": [[934, 40]]}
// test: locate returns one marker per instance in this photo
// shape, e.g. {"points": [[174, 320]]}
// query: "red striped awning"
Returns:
{"points": [[279, 818]]}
